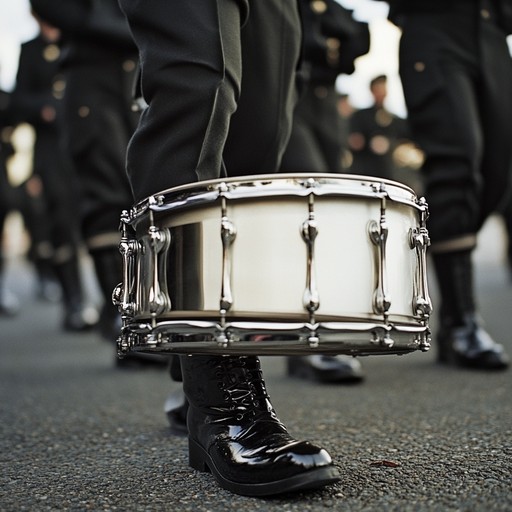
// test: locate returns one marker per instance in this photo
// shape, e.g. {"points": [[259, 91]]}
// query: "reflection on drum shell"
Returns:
{"points": [[269, 259]]}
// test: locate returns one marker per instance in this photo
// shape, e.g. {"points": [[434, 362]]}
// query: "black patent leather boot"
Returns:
{"points": [[234, 431], [470, 346], [461, 339]]}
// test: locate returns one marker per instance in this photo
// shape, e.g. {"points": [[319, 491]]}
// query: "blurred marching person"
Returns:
{"points": [[9, 304], [333, 39], [52, 192], [219, 81], [375, 133], [99, 63], [456, 72], [345, 111]]}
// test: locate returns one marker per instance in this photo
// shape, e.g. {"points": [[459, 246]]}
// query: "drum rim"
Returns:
{"points": [[295, 184]]}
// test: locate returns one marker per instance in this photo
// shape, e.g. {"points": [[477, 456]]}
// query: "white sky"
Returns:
{"points": [[16, 26]]}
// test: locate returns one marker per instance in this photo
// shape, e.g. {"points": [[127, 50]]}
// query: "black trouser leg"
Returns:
{"points": [[107, 263], [77, 316], [461, 339]]}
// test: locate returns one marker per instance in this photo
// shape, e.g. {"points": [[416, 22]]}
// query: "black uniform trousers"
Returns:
{"points": [[316, 140], [52, 217], [456, 73], [99, 124], [219, 79]]}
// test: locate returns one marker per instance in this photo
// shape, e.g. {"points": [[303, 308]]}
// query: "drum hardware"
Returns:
{"points": [[196, 337], [129, 247], [252, 323], [378, 233], [228, 235], [420, 240], [311, 299]]}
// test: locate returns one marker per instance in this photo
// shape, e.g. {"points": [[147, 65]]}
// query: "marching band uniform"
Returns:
{"points": [[99, 64], [37, 101], [456, 72]]}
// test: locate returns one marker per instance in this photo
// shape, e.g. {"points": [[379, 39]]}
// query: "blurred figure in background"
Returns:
{"points": [[375, 133], [9, 304], [99, 64], [345, 111], [52, 192], [456, 73], [333, 39]]}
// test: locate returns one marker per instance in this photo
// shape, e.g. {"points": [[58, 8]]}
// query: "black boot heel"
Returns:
{"points": [[196, 457]]}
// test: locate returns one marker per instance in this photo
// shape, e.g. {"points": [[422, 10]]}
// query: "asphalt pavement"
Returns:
{"points": [[78, 433]]}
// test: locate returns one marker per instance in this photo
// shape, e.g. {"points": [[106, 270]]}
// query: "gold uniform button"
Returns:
{"points": [[128, 65], [59, 86], [318, 6], [84, 111], [419, 66], [485, 14], [51, 53]]}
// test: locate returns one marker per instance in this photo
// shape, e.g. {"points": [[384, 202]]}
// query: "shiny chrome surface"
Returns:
{"points": [[378, 233], [309, 233], [420, 240], [274, 338], [249, 281]]}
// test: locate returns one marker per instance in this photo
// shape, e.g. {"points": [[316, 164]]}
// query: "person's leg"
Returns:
{"points": [[190, 79], [191, 64], [443, 101]]}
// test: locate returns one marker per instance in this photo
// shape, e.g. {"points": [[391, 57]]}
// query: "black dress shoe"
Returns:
{"points": [[341, 369], [235, 434], [470, 346]]}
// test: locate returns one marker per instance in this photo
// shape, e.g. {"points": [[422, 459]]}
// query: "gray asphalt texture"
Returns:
{"points": [[78, 433]]}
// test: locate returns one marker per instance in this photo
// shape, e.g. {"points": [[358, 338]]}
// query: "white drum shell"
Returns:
{"points": [[269, 258], [265, 266]]}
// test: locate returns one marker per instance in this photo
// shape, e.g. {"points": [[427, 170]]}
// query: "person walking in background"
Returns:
{"points": [[9, 303], [333, 39], [456, 72], [375, 133], [99, 64], [52, 191]]}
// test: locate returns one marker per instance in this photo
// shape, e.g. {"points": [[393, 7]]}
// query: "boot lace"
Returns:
{"points": [[245, 394]]}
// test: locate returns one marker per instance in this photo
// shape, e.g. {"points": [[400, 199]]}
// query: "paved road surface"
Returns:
{"points": [[79, 434]]}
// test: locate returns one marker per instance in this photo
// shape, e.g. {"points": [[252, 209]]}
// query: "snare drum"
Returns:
{"points": [[276, 265]]}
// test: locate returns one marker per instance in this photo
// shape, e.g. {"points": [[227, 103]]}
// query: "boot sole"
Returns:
{"points": [[315, 478]]}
